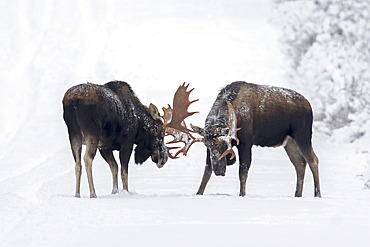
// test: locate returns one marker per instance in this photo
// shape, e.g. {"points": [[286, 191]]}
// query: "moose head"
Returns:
{"points": [[218, 139]]}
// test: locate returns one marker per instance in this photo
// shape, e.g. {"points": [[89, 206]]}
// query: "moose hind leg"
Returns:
{"points": [[107, 154], [313, 162], [76, 146], [91, 147], [299, 162]]}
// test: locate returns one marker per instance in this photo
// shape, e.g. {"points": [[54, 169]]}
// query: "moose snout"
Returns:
{"points": [[220, 172], [218, 165], [159, 158]]}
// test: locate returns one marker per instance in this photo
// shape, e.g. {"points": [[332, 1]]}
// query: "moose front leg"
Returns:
{"points": [[206, 176], [245, 158], [124, 177], [243, 175], [124, 157], [107, 154]]}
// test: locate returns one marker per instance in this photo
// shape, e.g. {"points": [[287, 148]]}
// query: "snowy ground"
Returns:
{"points": [[48, 47]]}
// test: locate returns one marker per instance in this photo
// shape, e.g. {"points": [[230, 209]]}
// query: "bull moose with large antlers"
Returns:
{"points": [[246, 114], [110, 117]]}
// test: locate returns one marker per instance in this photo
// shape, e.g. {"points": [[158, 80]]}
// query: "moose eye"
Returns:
{"points": [[162, 134]]}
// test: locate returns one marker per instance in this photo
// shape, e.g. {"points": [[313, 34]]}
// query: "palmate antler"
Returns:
{"points": [[231, 135], [174, 121]]}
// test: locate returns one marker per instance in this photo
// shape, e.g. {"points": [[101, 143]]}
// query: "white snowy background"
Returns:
{"points": [[48, 46]]}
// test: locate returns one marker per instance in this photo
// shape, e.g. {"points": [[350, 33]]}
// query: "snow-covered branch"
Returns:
{"points": [[327, 45]]}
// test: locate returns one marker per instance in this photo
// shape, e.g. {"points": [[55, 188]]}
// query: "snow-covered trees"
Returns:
{"points": [[327, 45]]}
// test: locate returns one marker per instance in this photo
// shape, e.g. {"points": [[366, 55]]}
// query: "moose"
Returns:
{"points": [[110, 117], [246, 114]]}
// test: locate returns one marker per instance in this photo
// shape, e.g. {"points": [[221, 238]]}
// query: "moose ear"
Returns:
{"points": [[153, 110], [197, 129]]}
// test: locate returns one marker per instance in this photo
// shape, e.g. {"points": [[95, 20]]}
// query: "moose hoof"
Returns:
{"points": [[77, 195], [92, 195]]}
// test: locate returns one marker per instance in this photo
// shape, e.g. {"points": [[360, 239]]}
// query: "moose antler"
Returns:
{"points": [[179, 136], [180, 108], [231, 135], [174, 121]]}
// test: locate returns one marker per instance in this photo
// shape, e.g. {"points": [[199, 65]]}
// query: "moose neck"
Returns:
{"points": [[218, 116], [145, 122]]}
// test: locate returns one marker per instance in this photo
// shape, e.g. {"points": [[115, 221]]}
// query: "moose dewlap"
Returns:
{"points": [[246, 114]]}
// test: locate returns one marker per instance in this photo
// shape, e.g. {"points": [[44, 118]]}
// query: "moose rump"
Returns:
{"points": [[91, 113]]}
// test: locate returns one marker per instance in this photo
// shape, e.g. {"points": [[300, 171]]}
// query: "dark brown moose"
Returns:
{"points": [[246, 114], [110, 117]]}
